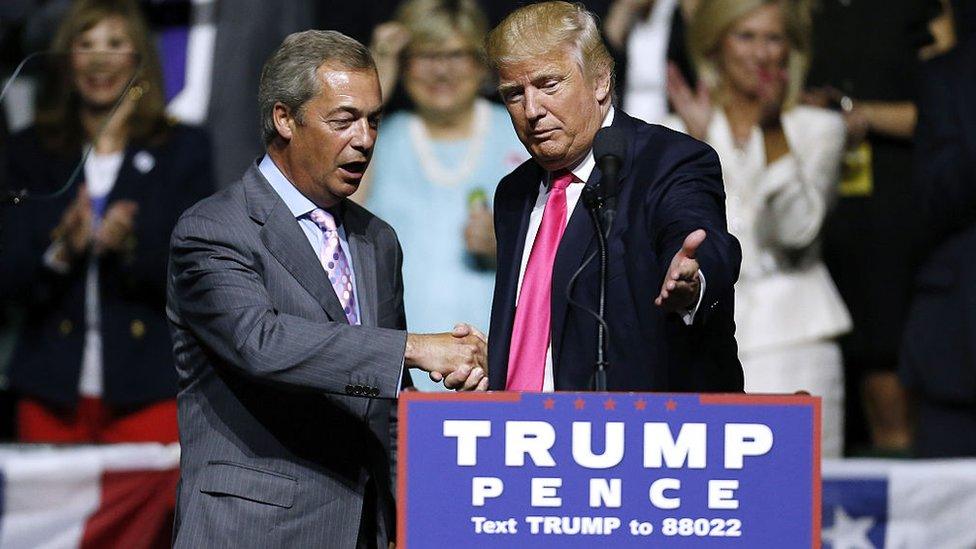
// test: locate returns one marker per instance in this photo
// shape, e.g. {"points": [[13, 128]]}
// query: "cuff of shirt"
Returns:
{"points": [[688, 317], [403, 363]]}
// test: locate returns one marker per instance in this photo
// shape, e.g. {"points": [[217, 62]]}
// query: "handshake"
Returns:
{"points": [[459, 358]]}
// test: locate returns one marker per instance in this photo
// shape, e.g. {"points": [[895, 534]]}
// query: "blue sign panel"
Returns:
{"points": [[626, 469]]}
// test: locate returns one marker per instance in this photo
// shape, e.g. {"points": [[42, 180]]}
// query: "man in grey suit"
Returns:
{"points": [[285, 301]]}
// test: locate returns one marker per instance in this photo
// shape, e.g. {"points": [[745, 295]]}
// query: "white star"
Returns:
{"points": [[847, 532]]}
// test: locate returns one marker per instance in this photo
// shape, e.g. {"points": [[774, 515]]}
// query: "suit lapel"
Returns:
{"points": [[579, 240], [364, 265], [126, 182], [285, 240]]}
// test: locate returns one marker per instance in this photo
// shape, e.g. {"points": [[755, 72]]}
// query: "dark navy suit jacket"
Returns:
{"points": [[939, 350], [670, 185], [137, 361]]}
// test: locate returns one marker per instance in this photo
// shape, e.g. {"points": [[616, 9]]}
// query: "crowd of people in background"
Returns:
{"points": [[846, 131]]}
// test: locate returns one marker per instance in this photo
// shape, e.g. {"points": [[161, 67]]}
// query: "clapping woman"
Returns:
{"points": [[436, 165], [780, 163], [94, 360]]}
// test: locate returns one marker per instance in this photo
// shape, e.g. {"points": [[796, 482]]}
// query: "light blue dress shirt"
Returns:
{"points": [[300, 206]]}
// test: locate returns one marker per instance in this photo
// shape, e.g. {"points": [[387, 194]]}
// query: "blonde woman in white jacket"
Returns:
{"points": [[780, 164]]}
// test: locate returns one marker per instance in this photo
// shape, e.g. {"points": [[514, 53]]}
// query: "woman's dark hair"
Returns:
{"points": [[57, 119]]}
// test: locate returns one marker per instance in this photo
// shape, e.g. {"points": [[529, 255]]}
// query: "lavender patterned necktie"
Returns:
{"points": [[335, 263]]}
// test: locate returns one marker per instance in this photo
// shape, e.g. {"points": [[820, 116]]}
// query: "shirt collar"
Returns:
{"points": [[583, 170], [298, 204]]}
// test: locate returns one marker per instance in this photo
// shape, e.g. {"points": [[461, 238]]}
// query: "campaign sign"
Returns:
{"points": [[608, 469]]}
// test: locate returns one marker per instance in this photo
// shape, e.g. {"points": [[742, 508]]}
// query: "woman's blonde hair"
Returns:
{"points": [[539, 29], [714, 18], [435, 21], [57, 118]]}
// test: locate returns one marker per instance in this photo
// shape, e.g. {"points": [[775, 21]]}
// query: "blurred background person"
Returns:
{"points": [[652, 33], [939, 353], [780, 163], [93, 362], [437, 164], [864, 65]]}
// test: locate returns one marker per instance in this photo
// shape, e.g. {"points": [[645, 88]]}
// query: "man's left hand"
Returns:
{"points": [[681, 286]]}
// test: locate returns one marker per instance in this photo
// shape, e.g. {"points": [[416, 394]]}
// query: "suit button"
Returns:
{"points": [[137, 328], [375, 392], [350, 390], [66, 327]]}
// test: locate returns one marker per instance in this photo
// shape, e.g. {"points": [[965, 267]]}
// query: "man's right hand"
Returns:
{"points": [[458, 358]]}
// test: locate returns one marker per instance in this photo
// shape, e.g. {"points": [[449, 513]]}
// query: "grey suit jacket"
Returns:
{"points": [[285, 410]]}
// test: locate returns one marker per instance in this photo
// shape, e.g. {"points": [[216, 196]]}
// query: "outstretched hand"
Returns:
{"points": [[682, 285]]}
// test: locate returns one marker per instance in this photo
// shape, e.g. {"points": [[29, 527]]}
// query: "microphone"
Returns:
{"points": [[609, 148]]}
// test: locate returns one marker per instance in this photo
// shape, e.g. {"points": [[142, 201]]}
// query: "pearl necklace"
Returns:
{"points": [[432, 167]]}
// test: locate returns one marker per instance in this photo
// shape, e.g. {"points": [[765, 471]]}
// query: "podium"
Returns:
{"points": [[513, 469]]}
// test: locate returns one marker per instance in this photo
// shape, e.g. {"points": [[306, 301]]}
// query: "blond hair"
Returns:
{"points": [[436, 21], [538, 29], [714, 18]]}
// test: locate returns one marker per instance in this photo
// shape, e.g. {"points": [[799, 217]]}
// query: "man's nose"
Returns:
{"points": [[534, 107], [364, 136]]}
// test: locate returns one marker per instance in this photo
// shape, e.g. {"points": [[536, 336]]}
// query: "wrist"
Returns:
{"points": [[411, 353]]}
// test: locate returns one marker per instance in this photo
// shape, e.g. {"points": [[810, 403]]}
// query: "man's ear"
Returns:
{"points": [[602, 86], [283, 120]]}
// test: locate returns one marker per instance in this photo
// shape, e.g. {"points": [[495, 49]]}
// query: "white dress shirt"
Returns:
{"points": [[581, 173], [101, 171]]}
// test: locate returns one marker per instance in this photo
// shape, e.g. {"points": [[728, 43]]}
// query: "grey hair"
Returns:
{"points": [[289, 76]]}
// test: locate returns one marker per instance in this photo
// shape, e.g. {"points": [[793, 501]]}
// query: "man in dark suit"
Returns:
{"points": [[938, 362], [285, 301], [672, 264]]}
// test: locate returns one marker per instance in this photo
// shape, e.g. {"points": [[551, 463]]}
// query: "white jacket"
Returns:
{"points": [[784, 294]]}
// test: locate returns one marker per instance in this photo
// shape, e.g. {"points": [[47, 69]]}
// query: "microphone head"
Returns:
{"points": [[610, 141]]}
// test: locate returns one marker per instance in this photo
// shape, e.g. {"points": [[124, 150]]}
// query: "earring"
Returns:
{"points": [[136, 92]]}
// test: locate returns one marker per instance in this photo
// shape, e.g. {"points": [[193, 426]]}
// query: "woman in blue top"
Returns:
{"points": [[436, 166]]}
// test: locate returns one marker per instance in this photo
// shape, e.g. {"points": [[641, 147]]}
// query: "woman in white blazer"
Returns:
{"points": [[780, 164]]}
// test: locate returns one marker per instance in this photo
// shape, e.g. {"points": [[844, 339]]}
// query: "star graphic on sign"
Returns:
{"points": [[848, 532], [579, 403], [641, 404], [609, 404], [549, 403], [671, 405]]}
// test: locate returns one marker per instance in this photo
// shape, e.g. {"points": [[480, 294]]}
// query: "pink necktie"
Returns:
{"points": [[530, 333], [335, 263]]}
